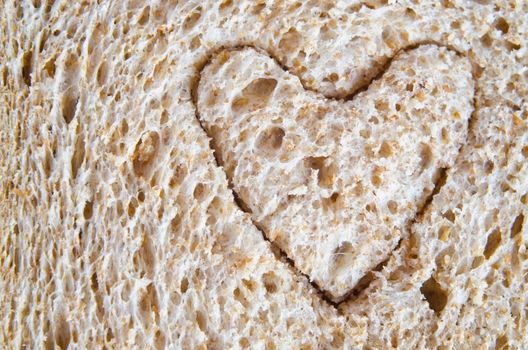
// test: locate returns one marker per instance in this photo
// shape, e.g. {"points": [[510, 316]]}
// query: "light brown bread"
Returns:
{"points": [[334, 183], [183, 174]]}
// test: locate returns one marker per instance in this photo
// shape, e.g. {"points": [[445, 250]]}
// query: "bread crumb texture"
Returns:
{"points": [[264, 174]]}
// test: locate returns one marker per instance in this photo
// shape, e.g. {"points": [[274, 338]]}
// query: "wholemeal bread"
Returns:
{"points": [[333, 183], [259, 174]]}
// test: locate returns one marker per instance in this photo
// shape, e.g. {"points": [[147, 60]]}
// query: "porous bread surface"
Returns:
{"points": [[119, 229], [333, 183]]}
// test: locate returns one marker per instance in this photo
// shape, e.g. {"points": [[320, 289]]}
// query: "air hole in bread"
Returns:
{"points": [[270, 140], [493, 242], [164, 117], [74, 335], [215, 210], [374, 4], [17, 260], [358, 189], [212, 97], [179, 174], [524, 151], [373, 120], [184, 285], [434, 294], [505, 187], [200, 192], [62, 333], [385, 150], [201, 321], [389, 37], [259, 6], [444, 257], [477, 261], [102, 73], [70, 85], [455, 24], [78, 153], [393, 207], [225, 4], [507, 278], [94, 284], [161, 211], [491, 219], [486, 40], [290, 41], [338, 339], [249, 284], [192, 19], [376, 178], [449, 215], [88, 210], [69, 102], [145, 257], [444, 233], [48, 161], [501, 25], [49, 342], [244, 342], [334, 202], [502, 343], [270, 345], [445, 135], [145, 152], [222, 243], [195, 241], [371, 208], [342, 255], [326, 170], [365, 133], [160, 340], [149, 305], [517, 225], [255, 95], [132, 205], [144, 16], [239, 296], [270, 281], [71, 30], [333, 77], [381, 106], [513, 45], [426, 156], [4, 74], [26, 67]]}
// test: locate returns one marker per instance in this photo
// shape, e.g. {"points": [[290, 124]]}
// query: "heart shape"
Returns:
{"points": [[335, 183]]}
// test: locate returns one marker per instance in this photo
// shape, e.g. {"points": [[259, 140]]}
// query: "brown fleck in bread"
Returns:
{"points": [[120, 230]]}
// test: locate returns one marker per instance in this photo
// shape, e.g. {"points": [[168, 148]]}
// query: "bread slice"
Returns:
{"points": [[119, 230], [335, 183]]}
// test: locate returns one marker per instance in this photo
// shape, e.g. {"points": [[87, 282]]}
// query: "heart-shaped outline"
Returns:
{"points": [[440, 177]]}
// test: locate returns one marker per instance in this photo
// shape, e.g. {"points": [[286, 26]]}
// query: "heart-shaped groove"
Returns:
{"points": [[335, 183]]}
